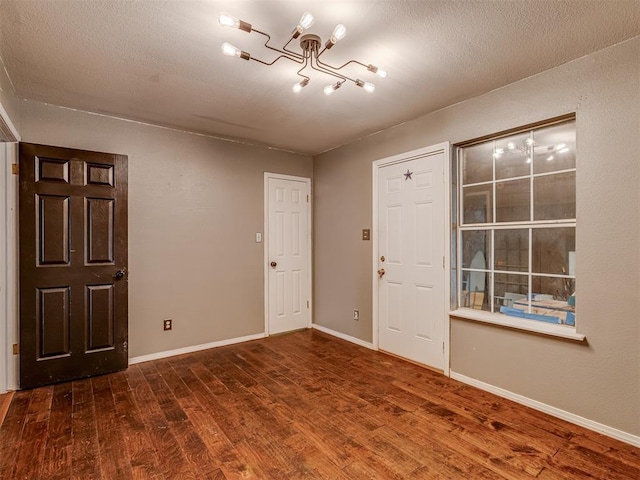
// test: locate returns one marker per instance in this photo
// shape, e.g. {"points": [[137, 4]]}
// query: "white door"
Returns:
{"points": [[288, 253], [411, 249]]}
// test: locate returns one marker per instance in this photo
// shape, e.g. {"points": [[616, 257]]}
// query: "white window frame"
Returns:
{"points": [[492, 317]]}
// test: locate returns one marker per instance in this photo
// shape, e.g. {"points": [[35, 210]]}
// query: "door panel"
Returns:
{"points": [[289, 284], [411, 230], [73, 240]]}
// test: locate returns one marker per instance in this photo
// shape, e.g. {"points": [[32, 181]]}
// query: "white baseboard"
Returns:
{"points": [[556, 412], [343, 336], [194, 348]]}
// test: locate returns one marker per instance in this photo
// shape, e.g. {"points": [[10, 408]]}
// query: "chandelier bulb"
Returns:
{"points": [[232, 51], [378, 71], [230, 21], [227, 20], [338, 33], [329, 89], [366, 86], [305, 21], [297, 87]]}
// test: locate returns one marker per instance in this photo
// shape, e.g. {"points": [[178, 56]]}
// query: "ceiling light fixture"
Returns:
{"points": [[311, 49]]}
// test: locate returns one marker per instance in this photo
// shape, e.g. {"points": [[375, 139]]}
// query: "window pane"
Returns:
{"points": [[476, 249], [477, 163], [512, 156], [554, 250], [555, 148], [513, 201], [509, 288], [475, 290], [551, 299], [554, 197], [512, 250], [477, 204]]}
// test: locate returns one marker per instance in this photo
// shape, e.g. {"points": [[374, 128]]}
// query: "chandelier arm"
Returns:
{"points": [[326, 65], [277, 58], [285, 52], [306, 63], [290, 51], [328, 69]]}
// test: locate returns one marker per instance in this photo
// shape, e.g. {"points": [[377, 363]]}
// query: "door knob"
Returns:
{"points": [[273, 264], [118, 275], [381, 272]]}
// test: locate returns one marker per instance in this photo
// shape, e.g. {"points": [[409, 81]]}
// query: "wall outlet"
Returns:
{"points": [[168, 324], [356, 315]]}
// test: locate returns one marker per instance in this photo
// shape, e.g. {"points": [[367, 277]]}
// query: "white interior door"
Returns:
{"points": [[411, 252], [288, 253]]}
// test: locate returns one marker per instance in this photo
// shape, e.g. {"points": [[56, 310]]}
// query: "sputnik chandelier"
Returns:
{"points": [[311, 49]]}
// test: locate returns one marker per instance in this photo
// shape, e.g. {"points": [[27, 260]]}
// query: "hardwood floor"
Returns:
{"points": [[303, 405]]}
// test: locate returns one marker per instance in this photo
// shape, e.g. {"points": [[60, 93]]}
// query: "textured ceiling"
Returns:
{"points": [[160, 61]]}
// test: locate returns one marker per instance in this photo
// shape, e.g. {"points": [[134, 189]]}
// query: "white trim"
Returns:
{"points": [[401, 158], [265, 243], [9, 250], [194, 348], [344, 336], [553, 411], [7, 127], [543, 328]]}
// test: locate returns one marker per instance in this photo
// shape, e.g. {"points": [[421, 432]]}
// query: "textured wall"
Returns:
{"points": [[599, 380], [195, 204]]}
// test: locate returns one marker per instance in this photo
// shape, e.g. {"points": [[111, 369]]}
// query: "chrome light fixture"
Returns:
{"points": [[311, 48]]}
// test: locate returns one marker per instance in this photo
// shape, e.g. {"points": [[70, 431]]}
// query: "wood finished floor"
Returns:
{"points": [[303, 405]]}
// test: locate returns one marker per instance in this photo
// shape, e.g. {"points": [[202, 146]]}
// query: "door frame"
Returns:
{"points": [[445, 148], [9, 363], [265, 243]]}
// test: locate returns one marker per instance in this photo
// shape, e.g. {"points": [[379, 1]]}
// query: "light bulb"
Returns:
{"points": [[230, 50], [511, 145], [378, 71], [227, 20], [338, 33], [528, 159], [564, 150], [369, 87], [305, 21], [549, 158], [297, 87], [560, 146], [329, 89]]}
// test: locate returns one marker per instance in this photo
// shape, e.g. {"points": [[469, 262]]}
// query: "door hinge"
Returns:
{"points": [[307, 303], [443, 262], [15, 169], [307, 198], [16, 349], [442, 347]]}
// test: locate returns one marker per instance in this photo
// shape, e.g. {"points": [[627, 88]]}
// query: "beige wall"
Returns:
{"points": [[195, 204], [599, 380]]}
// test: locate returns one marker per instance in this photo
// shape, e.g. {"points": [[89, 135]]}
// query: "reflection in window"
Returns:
{"points": [[516, 245]]}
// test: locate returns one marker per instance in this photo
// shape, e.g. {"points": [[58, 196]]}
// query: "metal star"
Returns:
{"points": [[407, 176]]}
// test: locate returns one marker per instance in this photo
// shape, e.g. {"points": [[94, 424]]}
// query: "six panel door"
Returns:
{"points": [[73, 259]]}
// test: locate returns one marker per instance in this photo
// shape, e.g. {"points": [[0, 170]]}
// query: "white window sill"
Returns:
{"points": [[533, 326]]}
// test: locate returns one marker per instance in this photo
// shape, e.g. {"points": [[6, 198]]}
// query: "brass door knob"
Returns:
{"points": [[381, 272]]}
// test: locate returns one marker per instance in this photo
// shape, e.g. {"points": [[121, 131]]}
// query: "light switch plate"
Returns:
{"points": [[258, 237]]}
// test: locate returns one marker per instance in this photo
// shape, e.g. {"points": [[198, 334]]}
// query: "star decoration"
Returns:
{"points": [[407, 176]]}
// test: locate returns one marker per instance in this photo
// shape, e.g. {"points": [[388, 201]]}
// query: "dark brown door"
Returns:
{"points": [[73, 264]]}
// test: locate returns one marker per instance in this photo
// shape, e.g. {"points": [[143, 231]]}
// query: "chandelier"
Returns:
{"points": [[311, 49]]}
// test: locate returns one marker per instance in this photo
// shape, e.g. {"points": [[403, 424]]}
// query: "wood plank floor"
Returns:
{"points": [[302, 405]]}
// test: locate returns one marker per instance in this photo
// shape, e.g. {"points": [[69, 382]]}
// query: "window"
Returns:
{"points": [[516, 232]]}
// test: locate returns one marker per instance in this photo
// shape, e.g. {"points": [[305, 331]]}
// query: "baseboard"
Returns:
{"points": [[194, 348], [553, 411], [343, 336]]}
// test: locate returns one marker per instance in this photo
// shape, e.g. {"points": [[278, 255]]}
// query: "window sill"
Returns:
{"points": [[518, 323]]}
